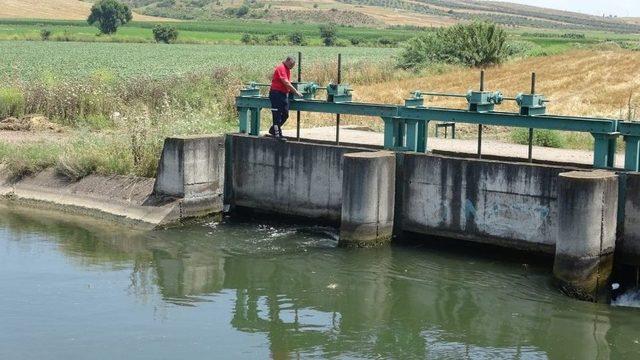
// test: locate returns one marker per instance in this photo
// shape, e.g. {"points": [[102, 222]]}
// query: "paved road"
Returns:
{"points": [[489, 147]]}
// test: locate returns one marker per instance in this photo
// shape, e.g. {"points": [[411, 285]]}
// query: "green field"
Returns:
{"points": [[31, 60], [214, 32]]}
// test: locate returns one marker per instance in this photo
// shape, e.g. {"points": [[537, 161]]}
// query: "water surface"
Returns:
{"points": [[73, 289]]}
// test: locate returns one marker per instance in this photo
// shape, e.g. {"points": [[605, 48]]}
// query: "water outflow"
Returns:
{"points": [[622, 296]]}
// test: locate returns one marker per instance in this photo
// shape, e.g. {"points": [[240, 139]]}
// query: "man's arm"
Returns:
{"points": [[291, 88]]}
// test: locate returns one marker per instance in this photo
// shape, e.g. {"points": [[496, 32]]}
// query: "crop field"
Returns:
{"points": [[28, 60], [214, 32]]}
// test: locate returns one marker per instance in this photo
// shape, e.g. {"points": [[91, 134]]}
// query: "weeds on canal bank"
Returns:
{"points": [[132, 147], [118, 127]]}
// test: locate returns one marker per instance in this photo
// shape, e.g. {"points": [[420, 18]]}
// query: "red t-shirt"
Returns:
{"points": [[280, 74]]}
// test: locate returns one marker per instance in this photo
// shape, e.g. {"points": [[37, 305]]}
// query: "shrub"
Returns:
{"points": [[355, 41], [242, 11], [328, 34], [541, 137], [165, 33], [45, 34], [297, 38], [108, 15], [246, 38], [475, 44], [386, 42], [272, 39]]}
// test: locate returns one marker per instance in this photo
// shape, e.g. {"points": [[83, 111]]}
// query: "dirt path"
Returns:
{"points": [[15, 137], [489, 147]]}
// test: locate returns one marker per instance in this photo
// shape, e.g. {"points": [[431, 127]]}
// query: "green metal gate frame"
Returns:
{"points": [[406, 126]]}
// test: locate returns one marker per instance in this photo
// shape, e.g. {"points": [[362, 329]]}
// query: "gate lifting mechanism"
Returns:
{"points": [[405, 126]]}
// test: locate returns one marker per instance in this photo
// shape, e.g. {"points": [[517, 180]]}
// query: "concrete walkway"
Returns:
{"points": [[356, 135]]}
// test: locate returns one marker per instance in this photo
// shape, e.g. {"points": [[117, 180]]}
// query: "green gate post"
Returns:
{"points": [[422, 136], [389, 130], [399, 133], [255, 121], [244, 120], [631, 153], [604, 150], [412, 134]]}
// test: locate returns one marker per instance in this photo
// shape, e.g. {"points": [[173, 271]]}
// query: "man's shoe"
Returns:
{"points": [[271, 131], [277, 133]]}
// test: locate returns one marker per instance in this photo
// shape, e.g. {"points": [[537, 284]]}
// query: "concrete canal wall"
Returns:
{"points": [[377, 195], [509, 204], [293, 178]]}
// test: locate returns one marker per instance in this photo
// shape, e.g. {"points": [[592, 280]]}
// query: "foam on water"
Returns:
{"points": [[630, 298]]}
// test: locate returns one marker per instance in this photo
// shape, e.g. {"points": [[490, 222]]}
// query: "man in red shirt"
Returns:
{"points": [[279, 95]]}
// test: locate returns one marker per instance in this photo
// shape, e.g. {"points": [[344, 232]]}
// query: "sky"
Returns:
{"points": [[593, 7]]}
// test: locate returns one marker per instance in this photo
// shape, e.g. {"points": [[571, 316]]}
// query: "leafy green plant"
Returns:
{"points": [[165, 33]]}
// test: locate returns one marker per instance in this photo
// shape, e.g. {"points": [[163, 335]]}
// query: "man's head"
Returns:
{"points": [[289, 62]]}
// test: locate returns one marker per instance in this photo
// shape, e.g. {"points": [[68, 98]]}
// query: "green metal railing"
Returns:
{"points": [[406, 126]]}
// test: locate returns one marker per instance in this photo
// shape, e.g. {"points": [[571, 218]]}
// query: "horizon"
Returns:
{"points": [[620, 8]]}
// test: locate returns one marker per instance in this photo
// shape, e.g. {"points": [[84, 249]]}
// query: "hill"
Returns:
{"points": [[386, 12], [52, 9]]}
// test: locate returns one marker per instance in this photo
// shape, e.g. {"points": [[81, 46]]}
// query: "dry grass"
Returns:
{"points": [[584, 83], [53, 9]]}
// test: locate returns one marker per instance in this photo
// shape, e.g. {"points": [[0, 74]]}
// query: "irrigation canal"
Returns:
{"points": [[241, 289]]}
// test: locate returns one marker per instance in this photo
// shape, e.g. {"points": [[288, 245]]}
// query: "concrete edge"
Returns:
{"points": [[68, 199], [144, 217]]}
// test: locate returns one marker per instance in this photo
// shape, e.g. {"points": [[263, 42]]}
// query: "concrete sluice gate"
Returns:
{"points": [[588, 220]]}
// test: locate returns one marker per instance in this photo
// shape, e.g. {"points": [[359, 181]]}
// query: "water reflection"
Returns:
{"points": [[309, 298]]}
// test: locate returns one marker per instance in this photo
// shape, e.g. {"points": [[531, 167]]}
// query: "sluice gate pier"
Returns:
{"points": [[587, 218]]}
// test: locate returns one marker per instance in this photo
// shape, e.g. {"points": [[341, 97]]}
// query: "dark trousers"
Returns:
{"points": [[279, 107]]}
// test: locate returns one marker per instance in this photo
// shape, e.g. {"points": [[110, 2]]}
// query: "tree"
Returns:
{"points": [[165, 33], [476, 44], [108, 15], [328, 34]]}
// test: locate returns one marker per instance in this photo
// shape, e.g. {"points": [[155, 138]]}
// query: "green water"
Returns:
{"points": [[246, 290]]}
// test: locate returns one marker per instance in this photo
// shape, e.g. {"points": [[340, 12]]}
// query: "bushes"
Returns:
{"points": [[328, 34], [246, 39], [541, 137], [45, 34], [297, 38], [475, 44], [165, 33]]}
